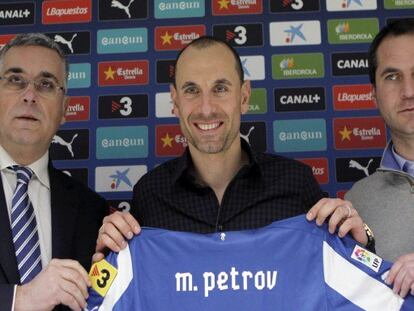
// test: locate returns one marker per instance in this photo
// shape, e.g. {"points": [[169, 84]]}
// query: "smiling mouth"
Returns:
{"points": [[208, 126]]}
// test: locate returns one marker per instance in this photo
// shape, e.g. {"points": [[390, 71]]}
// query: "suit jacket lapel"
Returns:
{"points": [[8, 260], [64, 209]]}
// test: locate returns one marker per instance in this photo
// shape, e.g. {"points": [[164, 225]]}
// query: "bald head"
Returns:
{"points": [[205, 42]]}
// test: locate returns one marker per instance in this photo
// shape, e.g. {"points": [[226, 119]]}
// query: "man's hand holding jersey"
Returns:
{"points": [[402, 275], [62, 281], [115, 230], [341, 215]]}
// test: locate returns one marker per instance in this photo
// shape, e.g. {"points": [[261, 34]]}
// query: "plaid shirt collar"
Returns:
{"points": [[184, 170]]}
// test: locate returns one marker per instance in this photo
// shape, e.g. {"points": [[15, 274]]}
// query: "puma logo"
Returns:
{"points": [[246, 137], [119, 5], [60, 39], [355, 164], [59, 140]]}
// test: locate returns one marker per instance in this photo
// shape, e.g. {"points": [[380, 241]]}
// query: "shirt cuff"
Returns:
{"points": [[14, 297]]}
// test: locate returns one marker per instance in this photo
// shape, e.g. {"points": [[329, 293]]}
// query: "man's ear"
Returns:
{"points": [[173, 93], [245, 96], [65, 104], [374, 95]]}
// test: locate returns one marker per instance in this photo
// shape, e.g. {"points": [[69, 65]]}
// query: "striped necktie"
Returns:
{"points": [[24, 228]]}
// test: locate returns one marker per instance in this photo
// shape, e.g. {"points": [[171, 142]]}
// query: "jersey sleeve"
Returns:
{"points": [[356, 275], [110, 279]]}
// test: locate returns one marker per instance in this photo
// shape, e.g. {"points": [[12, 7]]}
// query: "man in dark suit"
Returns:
{"points": [[35, 270]]}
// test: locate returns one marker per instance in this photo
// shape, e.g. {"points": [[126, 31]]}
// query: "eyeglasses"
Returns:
{"points": [[44, 86]]}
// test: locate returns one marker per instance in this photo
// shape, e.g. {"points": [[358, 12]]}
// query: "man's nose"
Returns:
{"points": [[30, 94], [206, 104], [408, 88]]}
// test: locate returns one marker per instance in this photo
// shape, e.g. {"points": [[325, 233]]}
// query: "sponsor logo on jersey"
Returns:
{"points": [[5, 38], [118, 178], [295, 33], [281, 6], [102, 274], [124, 40], [165, 70], [66, 11], [79, 75], [123, 142], [127, 106], [179, 8], [359, 133], [351, 5], [253, 67], [399, 4], [22, 13], [299, 99], [164, 105], [123, 9], [119, 205], [78, 108], [320, 168], [258, 101], [168, 38], [235, 7], [355, 168], [80, 174], [70, 145], [349, 64], [255, 134], [367, 258], [361, 30], [240, 34], [169, 140], [353, 97], [298, 66], [123, 72], [72, 43], [299, 135]]}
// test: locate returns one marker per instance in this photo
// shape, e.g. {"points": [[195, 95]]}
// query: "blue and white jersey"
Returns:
{"points": [[287, 266]]}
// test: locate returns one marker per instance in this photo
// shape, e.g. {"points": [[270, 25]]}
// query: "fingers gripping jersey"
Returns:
{"points": [[289, 265]]}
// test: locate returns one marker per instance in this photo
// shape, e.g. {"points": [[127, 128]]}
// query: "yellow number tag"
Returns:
{"points": [[102, 275]]}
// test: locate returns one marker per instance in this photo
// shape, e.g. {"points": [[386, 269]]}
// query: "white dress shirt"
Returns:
{"points": [[39, 194]]}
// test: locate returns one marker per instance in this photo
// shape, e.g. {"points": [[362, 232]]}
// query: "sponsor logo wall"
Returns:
{"points": [[307, 60]]}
